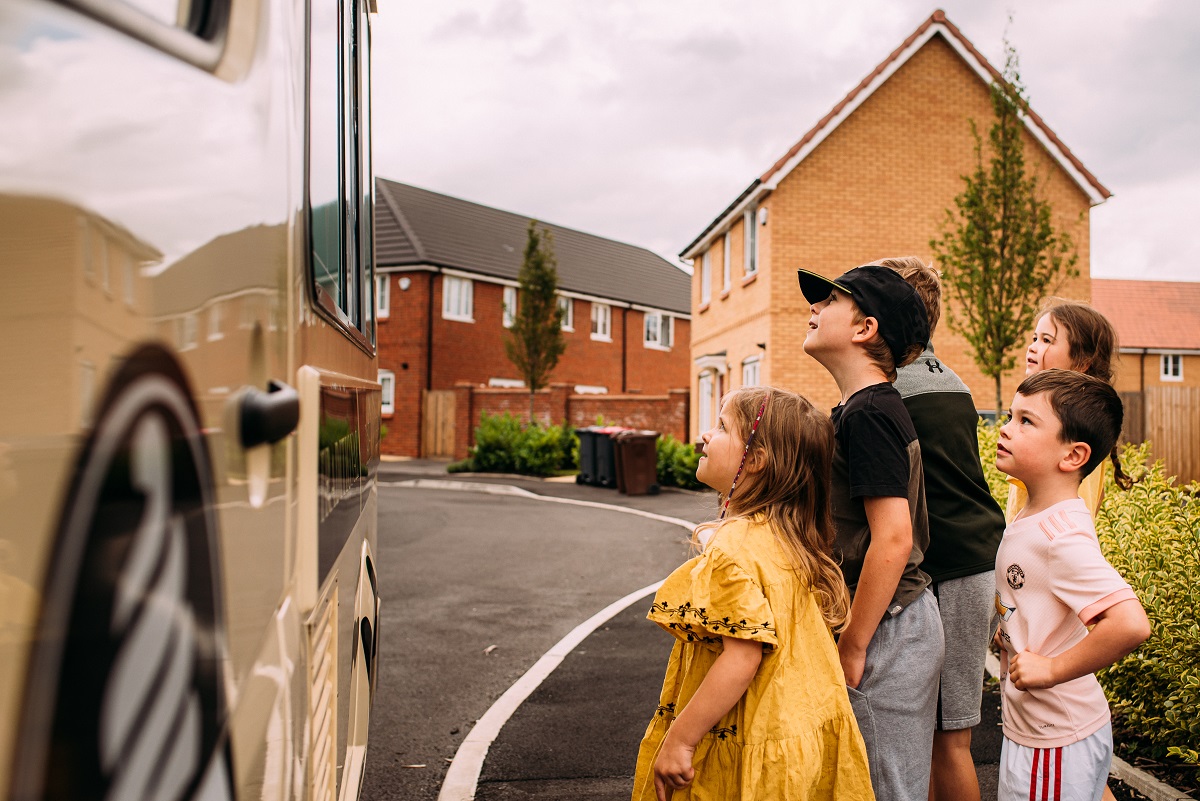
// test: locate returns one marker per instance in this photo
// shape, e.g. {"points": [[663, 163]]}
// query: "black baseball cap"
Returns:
{"points": [[881, 293]]}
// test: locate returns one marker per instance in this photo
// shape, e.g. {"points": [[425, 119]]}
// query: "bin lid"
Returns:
{"points": [[610, 430], [633, 433]]}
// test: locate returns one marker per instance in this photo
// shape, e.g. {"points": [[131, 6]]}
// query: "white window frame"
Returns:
{"points": [[458, 299], [215, 313], [728, 257], [383, 296], [508, 311], [130, 268], [750, 234], [387, 379], [1167, 362], [751, 371], [568, 307], [601, 322], [705, 385], [664, 328], [706, 277]]}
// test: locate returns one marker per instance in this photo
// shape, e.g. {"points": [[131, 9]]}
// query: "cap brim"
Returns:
{"points": [[817, 288]]}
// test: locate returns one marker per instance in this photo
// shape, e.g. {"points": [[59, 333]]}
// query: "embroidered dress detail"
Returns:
{"points": [[792, 734]]}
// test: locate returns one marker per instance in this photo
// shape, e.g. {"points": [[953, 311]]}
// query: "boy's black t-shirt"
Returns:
{"points": [[877, 455]]}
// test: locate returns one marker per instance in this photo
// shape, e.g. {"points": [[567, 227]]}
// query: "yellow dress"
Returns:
{"points": [[793, 734], [1091, 489]]}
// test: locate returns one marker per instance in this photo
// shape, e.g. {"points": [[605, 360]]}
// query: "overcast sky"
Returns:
{"points": [[641, 120]]}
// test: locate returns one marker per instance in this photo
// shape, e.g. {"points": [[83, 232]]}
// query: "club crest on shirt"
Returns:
{"points": [[1003, 610], [1016, 576]]}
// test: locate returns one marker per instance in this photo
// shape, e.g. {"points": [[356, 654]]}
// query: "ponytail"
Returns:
{"points": [[1119, 476]]}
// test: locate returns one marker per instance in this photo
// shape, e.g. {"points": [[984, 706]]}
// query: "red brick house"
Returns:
{"points": [[447, 276], [1158, 372], [873, 178]]}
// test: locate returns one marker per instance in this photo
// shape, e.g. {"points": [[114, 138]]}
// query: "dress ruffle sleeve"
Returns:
{"points": [[710, 597]]}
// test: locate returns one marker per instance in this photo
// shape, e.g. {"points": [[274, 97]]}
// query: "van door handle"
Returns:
{"points": [[269, 416]]}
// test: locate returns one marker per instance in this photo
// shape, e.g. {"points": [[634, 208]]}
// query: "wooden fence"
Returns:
{"points": [[437, 424], [1170, 418]]}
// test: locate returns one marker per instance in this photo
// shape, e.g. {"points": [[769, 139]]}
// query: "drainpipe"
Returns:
{"points": [[1142, 391], [624, 346], [429, 334]]}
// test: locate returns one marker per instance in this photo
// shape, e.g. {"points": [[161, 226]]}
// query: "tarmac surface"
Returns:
{"points": [[473, 570]]}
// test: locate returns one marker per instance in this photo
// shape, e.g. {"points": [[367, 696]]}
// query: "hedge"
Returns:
{"points": [[1151, 535], [504, 445]]}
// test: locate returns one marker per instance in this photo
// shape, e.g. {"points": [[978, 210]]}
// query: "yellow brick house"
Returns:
{"points": [[873, 178]]}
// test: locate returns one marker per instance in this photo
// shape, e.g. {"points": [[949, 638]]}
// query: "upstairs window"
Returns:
{"points": [[568, 310], [726, 258], [660, 330], [706, 277], [510, 306], [1171, 367], [387, 380], [750, 225], [458, 301], [383, 296], [602, 322]]}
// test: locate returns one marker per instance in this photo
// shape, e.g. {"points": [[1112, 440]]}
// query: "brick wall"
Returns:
{"points": [[666, 414], [473, 352], [878, 186]]}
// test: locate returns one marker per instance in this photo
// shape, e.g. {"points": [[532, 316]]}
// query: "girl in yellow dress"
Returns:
{"points": [[754, 702], [1070, 335]]}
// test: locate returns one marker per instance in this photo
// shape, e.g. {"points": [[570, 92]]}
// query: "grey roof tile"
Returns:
{"points": [[417, 226]]}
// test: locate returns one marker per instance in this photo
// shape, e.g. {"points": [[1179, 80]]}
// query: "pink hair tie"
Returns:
{"points": [[745, 452]]}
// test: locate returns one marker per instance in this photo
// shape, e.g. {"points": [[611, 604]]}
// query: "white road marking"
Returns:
{"points": [[462, 778]]}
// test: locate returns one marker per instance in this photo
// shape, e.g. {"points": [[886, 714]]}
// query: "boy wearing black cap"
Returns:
{"points": [[863, 326]]}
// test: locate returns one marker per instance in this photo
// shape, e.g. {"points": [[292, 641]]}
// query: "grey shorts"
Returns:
{"points": [[896, 700], [968, 610]]}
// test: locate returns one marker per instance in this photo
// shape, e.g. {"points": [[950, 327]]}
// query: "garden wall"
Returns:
{"points": [[667, 414]]}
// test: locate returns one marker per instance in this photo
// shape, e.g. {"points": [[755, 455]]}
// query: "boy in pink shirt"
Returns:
{"points": [[1052, 584]]}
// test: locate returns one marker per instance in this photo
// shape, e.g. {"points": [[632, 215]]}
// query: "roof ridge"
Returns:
{"points": [[529, 218], [401, 220]]}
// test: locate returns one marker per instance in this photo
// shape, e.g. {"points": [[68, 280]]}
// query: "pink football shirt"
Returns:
{"points": [[1051, 583]]}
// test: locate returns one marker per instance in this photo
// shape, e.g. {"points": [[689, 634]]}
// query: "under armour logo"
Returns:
{"points": [[934, 366]]}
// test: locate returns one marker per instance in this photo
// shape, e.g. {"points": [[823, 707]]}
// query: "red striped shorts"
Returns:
{"points": [[1075, 772]]}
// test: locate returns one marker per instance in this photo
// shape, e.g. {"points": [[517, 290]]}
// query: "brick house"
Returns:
{"points": [[447, 276], [873, 178], [1158, 373]]}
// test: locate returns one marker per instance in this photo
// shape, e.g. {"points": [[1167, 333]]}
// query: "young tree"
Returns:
{"points": [[535, 340], [1001, 254]]}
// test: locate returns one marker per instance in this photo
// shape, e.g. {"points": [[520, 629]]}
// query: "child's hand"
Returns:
{"points": [[673, 769], [1030, 671], [854, 662]]}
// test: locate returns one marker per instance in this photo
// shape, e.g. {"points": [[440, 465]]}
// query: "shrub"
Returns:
{"points": [[677, 463], [503, 445], [1151, 535]]}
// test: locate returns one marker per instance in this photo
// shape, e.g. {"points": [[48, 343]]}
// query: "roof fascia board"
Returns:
{"points": [[1038, 132], [980, 69], [1162, 351], [593, 298], [481, 277], [725, 222], [858, 100], [406, 268]]}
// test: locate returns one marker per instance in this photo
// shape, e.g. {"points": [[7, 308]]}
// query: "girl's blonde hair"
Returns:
{"points": [[1091, 343], [791, 489]]}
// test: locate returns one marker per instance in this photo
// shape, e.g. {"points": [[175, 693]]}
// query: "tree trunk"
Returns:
{"points": [[532, 422], [999, 401]]}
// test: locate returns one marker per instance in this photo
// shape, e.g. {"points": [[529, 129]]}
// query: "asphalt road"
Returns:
{"points": [[461, 572]]}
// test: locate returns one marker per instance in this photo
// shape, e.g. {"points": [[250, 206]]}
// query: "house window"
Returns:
{"points": [[704, 402], [602, 322], [1171, 367], [510, 306], [725, 256], [185, 331], [706, 277], [214, 322], [749, 223], [129, 268], [750, 371], [659, 330], [383, 296], [458, 299], [568, 310], [388, 380]]}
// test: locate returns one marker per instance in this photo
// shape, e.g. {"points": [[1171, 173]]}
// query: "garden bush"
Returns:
{"points": [[1151, 535], [677, 463], [504, 445]]}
